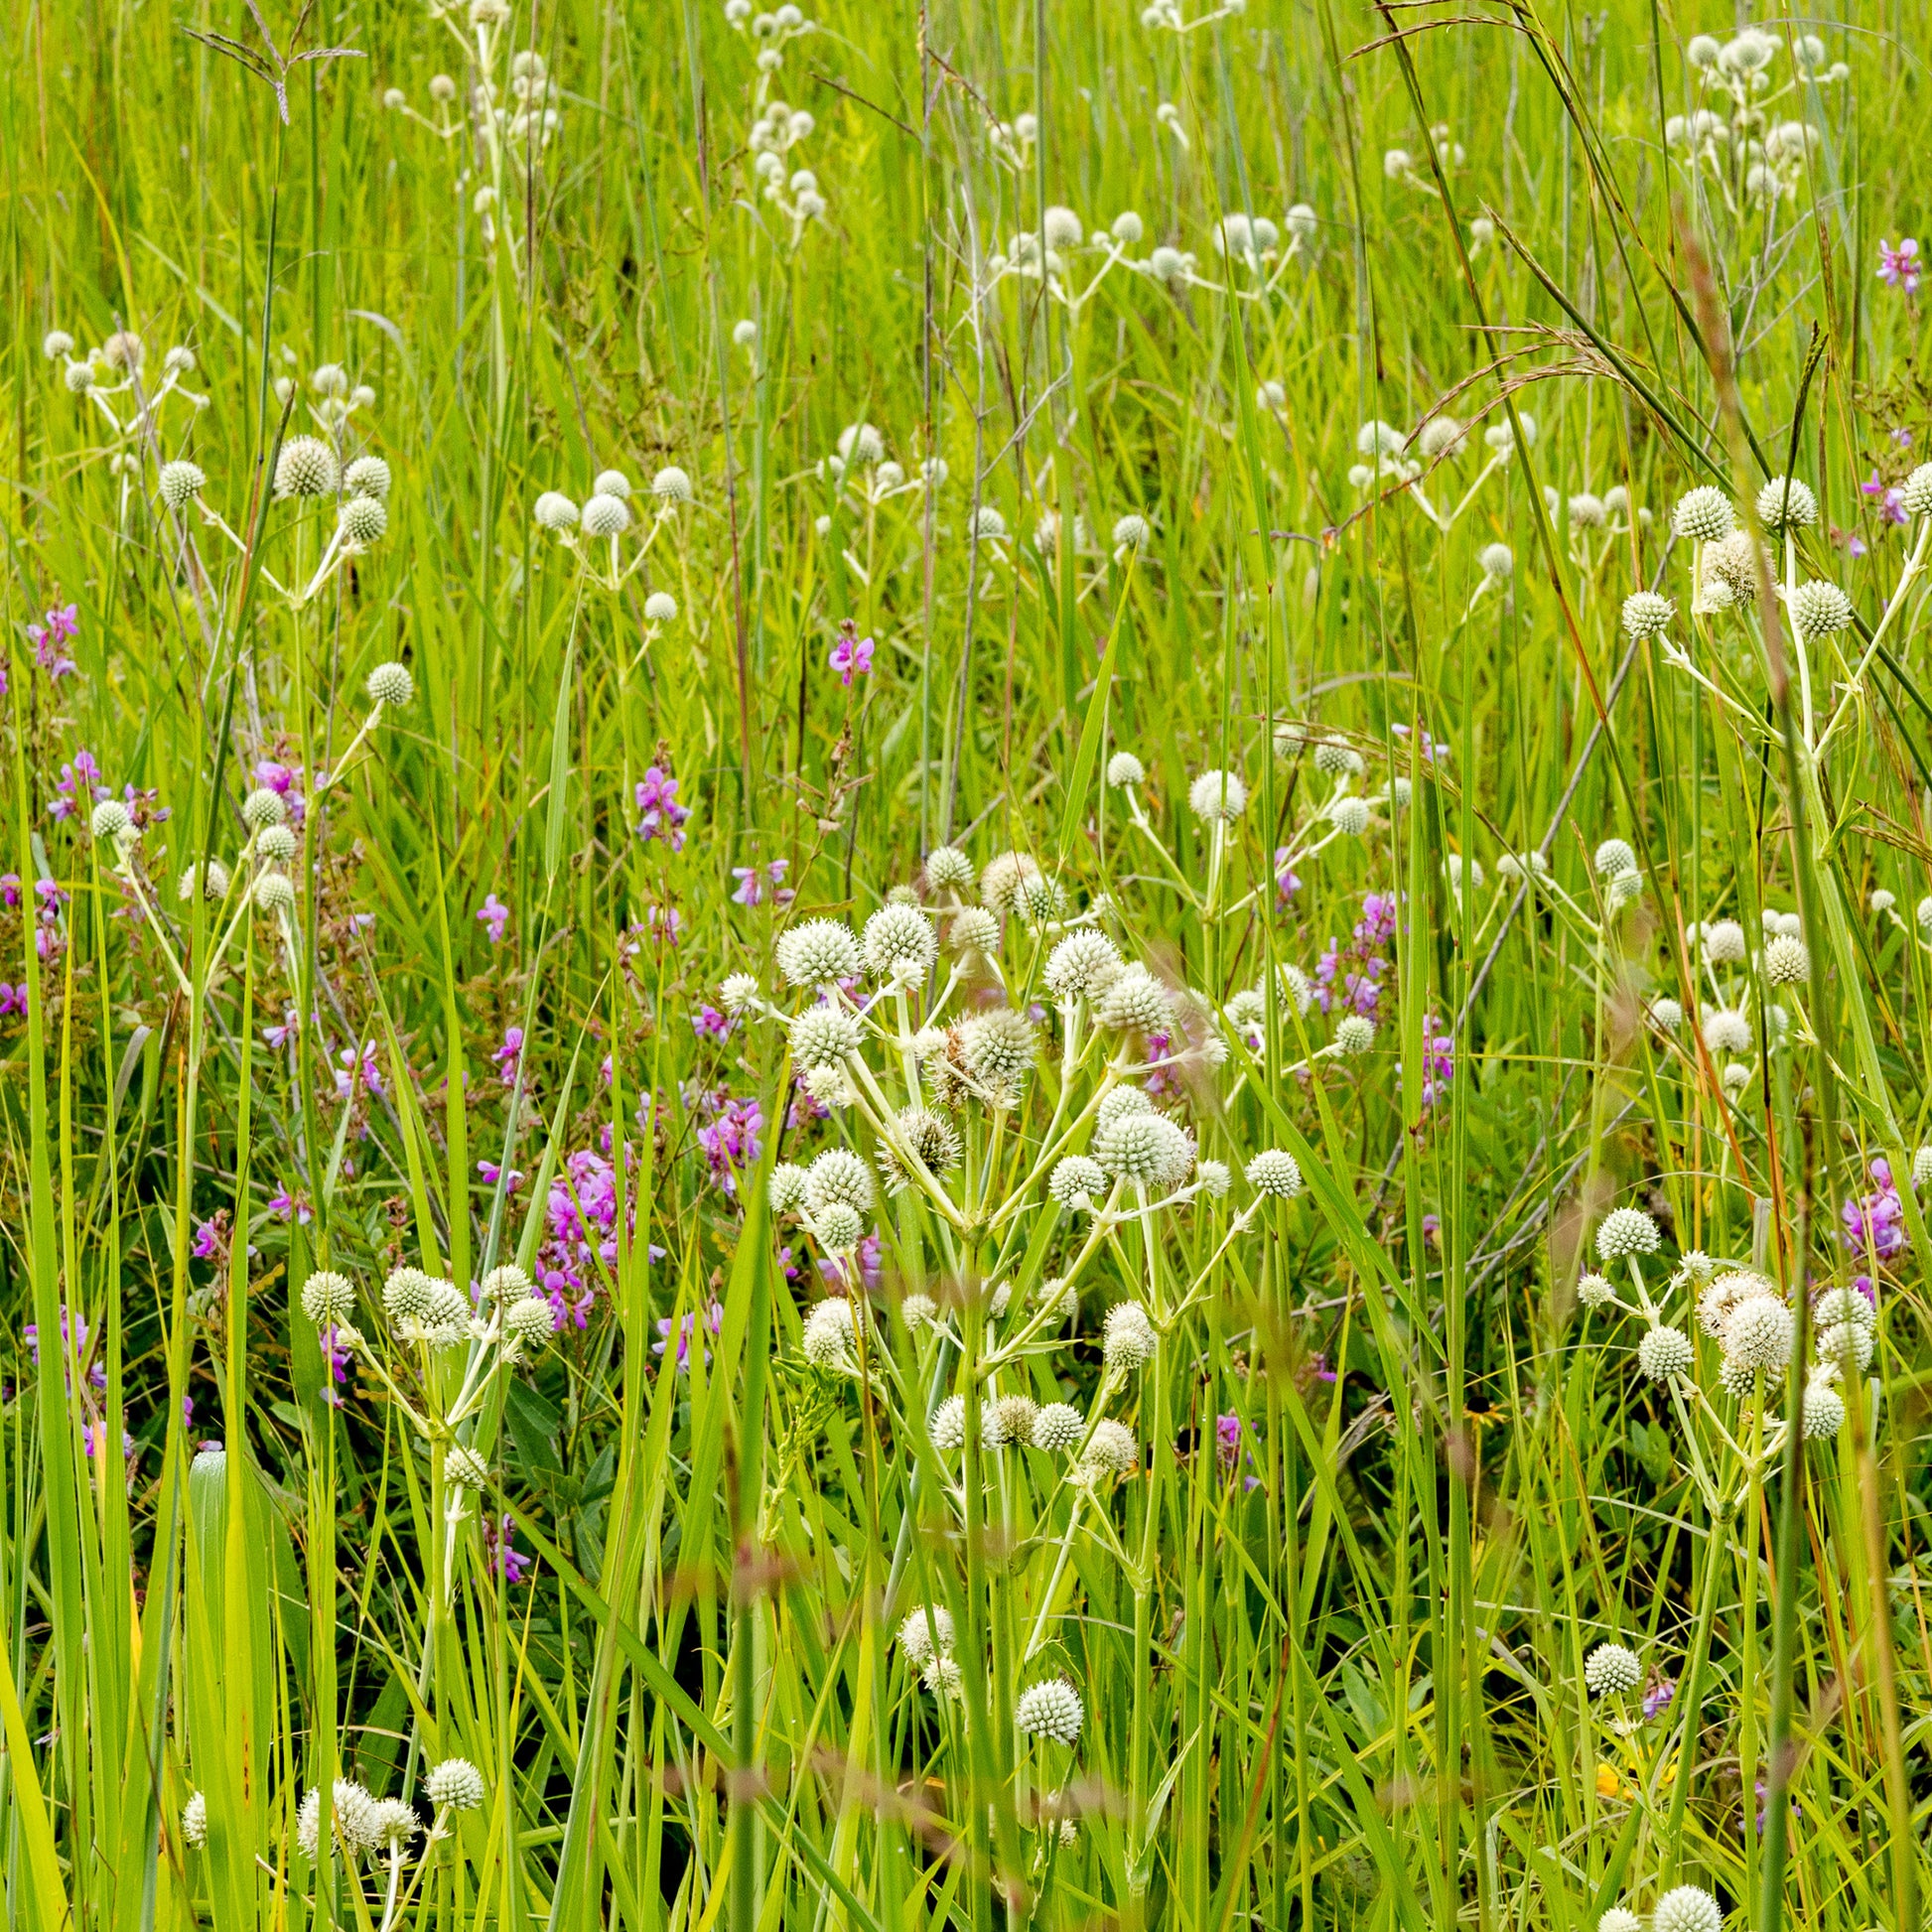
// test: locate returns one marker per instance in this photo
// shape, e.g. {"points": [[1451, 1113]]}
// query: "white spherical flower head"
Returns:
{"points": [[464, 1468], [824, 1036], [193, 1822], [1335, 758], [926, 1634], [367, 475], [1824, 1410], [457, 1783], [1726, 1030], [1499, 561], [1665, 1351], [79, 379], [1130, 531], [1844, 1304], [327, 1299], [1349, 815], [948, 870], [605, 517], [1850, 1345], [1112, 1451], [1076, 1177], [181, 481], [1136, 1001], [1725, 944], [1441, 436], [1355, 1034], [1587, 511], [900, 943], [839, 1228], [660, 607], [1612, 857], [506, 1284], [1595, 1292], [1062, 228], [1619, 1919], [1612, 1668], [1922, 1170], [1051, 1710], [1916, 496], [988, 524], [1128, 1340], [785, 1191], [1687, 1908], [555, 511], [1820, 609], [1081, 964], [363, 520], [1058, 1427], [1125, 770], [1218, 795], [818, 953], [274, 892], [1647, 614], [1666, 1014], [531, 1323], [1784, 504], [829, 1334], [737, 990], [56, 343], [112, 820], [1757, 1333], [1000, 883], [390, 685], [306, 466], [975, 932], [1704, 515], [1786, 961], [671, 485], [838, 1177], [1275, 1171], [1627, 1231], [1122, 1101], [947, 1424], [1142, 1150], [997, 1046], [611, 482]]}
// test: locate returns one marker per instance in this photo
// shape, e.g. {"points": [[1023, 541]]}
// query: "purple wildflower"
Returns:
{"points": [[686, 1328], [851, 655], [496, 917], [1900, 267], [1875, 1224], [507, 1056], [660, 816]]}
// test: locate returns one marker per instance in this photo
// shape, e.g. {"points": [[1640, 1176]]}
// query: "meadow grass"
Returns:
{"points": [[955, 974]]}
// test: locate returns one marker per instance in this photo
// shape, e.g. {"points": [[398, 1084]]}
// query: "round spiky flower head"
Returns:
{"points": [[611, 482], [275, 893], [1058, 1427], [947, 1424], [1112, 1451], [1123, 770], [824, 1036], [390, 684], [455, 1782], [1000, 883], [1595, 1292], [1075, 1177], [392, 1824], [1130, 531], [1615, 856], [900, 943], [1647, 614], [193, 1822], [1784, 504], [1144, 1150], [838, 1175], [660, 607], [1051, 1708], [327, 1299], [1275, 1171], [367, 475], [1723, 942], [1082, 963], [112, 820], [1497, 561], [829, 1335], [506, 1284], [464, 1468], [1354, 1034], [1348, 814], [927, 1634], [531, 1323], [1665, 1351], [1687, 1908], [997, 1046], [1916, 496], [407, 1293], [1217, 795], [1824, 1410], [79, 379], [1122, 1101], [363, 520], [1757, 1333], [56, 343], [1014, 1417], [1704, 515], [1128, 1340], [1620, 1919], [276, 843], [671, 485], [1611, 1669], [1136, 1001], [1838, 1304], [605, 517], [306, 466], [818, 953], [1850, 1345], [181, 481], [215, 886], [948, 870], [1786, 961], [1726, 1030], [737, 990], [975, 930], [1626, 1231], [263, 808], [1666, 1014], [1819, 610], [555, 511], [1921, 1169]]}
